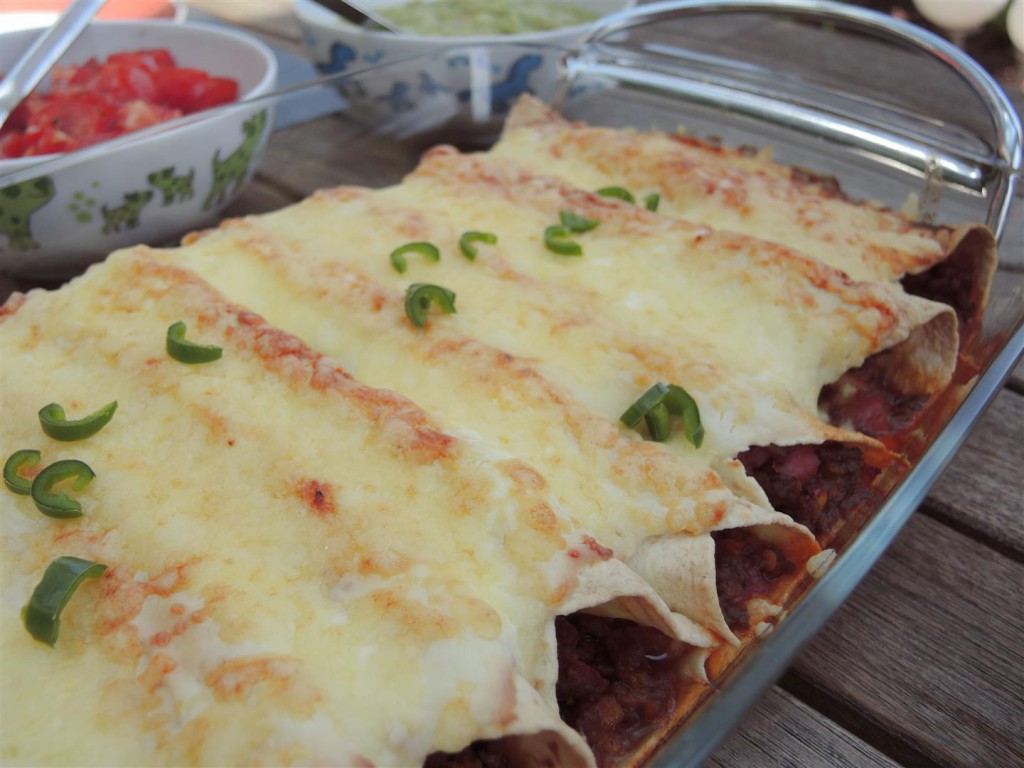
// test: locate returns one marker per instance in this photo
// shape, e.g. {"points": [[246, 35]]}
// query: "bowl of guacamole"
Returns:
{"points": [[453, 62], [454, 18]]}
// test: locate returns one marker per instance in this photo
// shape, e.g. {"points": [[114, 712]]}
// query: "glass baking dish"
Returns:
{"points": [[893, 112]]}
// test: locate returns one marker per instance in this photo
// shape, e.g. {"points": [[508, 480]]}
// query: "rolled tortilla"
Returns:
{"points": [[582, 332], [745, 191], [282, 542], [620, 488]]}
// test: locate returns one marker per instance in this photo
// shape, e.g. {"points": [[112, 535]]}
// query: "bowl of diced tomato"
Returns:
{"points": [[143, 131]]}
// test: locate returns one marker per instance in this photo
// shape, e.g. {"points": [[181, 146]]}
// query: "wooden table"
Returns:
{"points": [[925, 664]]}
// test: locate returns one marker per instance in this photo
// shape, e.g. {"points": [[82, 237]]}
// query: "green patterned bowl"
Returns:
{"points": [[58, 213]]}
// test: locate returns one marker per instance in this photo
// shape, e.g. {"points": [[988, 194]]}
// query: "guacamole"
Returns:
{"points": [[484, 17]]}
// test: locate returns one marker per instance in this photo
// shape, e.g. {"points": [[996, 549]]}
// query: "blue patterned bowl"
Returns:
{"points": [[407, 83], [58, 213]]}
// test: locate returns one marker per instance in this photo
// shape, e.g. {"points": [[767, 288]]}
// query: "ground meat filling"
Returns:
{"points": [[819, 486], [861, 401], [950, 282], [745, 567], [616, 681], [616, 684], [479, 754]]}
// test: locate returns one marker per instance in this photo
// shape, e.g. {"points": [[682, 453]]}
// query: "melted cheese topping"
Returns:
{"points": [[751, 330], [286, 540], [726, 189], [282, 542]]}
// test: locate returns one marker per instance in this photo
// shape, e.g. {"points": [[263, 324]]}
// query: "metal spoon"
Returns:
{"points": [[357, 15], [43, 54]]}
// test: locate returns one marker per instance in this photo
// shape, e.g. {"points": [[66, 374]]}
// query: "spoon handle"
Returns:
{"points": [[353, 13], [44, 53]]}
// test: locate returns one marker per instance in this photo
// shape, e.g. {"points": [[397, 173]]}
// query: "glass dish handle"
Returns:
{"points": [[996, 173]]}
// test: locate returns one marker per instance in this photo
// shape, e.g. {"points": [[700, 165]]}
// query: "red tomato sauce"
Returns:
{"points": [[96, 101]]}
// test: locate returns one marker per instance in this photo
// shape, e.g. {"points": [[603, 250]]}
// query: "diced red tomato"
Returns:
{"points": [[77, 114], [81, 76], [152, 59], [96, 101], [191, 90], [13, 144], [139, 114], [123, 83]]}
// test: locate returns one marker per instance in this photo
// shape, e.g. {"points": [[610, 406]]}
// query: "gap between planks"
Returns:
{"points": [[782, 730], [981, 492], [924, 662]]}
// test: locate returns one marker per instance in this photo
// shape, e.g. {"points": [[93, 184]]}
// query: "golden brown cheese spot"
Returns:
{"points": [[340, 194], [123, 594], [318, 496], [214, 421], [413, 438], [163, 638], [717, 512], [265, 677], [543, 519], [159, 666], [524, 476], [601, 552], [419, 619], [134, 701]]}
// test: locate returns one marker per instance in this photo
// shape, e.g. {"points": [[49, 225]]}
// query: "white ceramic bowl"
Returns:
{"points": [[441, 75], [58, 213]]}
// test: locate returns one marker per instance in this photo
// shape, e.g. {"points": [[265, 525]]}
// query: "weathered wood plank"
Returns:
{"points": [[782, 730], [982, 490], [260, 195], [333, 151], [926, 661]]}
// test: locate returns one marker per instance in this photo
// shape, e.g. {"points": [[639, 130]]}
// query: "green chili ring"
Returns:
{"points": [[555, 239], [399, 262], [577, 222], [189, 352], [680, 403], [13, 479], [636, 412], [619, 193], [651, 202], [57, 503], [418, 298], [659, 422], [468, 238], [56, 425], [657, 405], [41, 615]]}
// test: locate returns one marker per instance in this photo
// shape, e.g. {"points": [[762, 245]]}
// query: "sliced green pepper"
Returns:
{"points": [[418, 298], [57, 503], [13, 479], [636, 412], [189, 352], [56, 425], [577, 222], [398, 260], [42, 614], [657, 405], [619, 193], [651, 202], [468, 238], [555, 238], [680, 403], [659, 423]]}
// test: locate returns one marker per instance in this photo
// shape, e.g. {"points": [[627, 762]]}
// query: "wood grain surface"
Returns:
{"points": [[926, 659], [924, 666], [784, 731]]}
